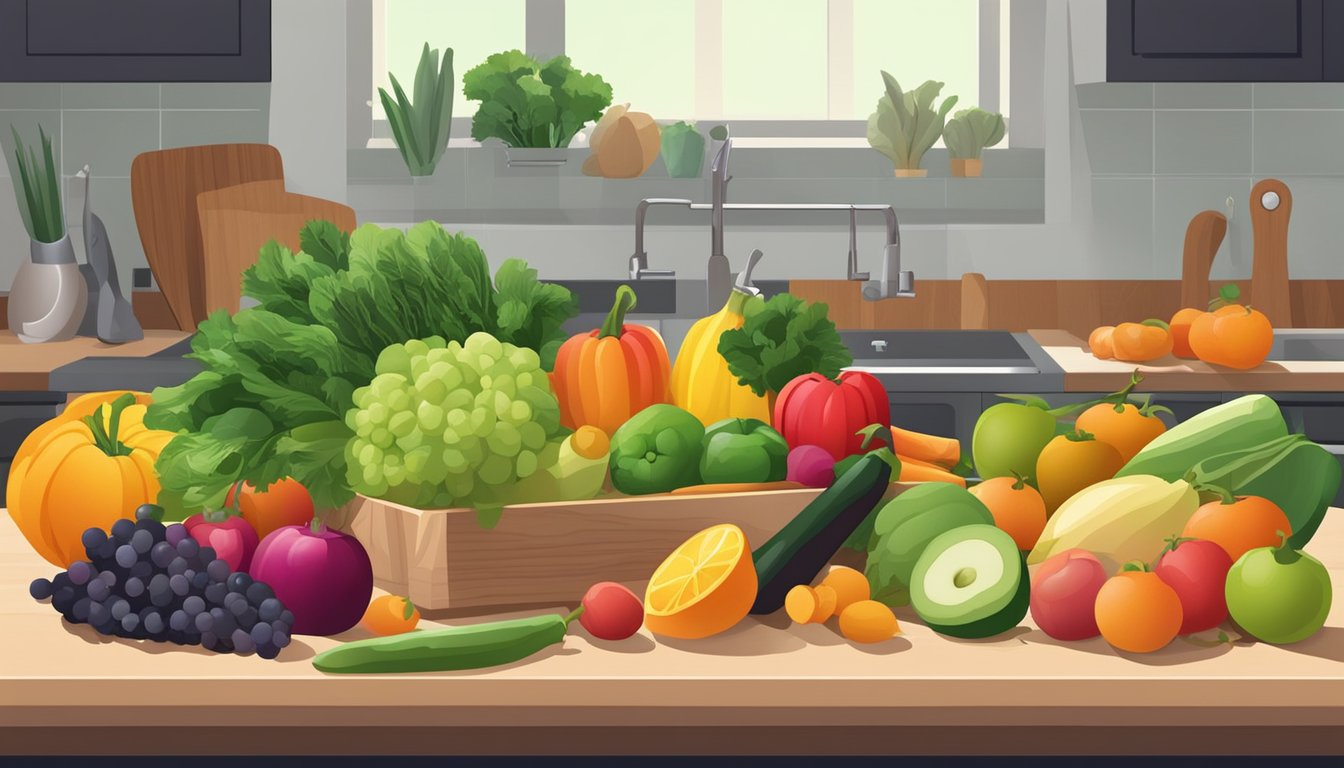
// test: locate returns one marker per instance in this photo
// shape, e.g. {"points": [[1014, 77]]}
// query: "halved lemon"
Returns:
{"points": [[704, 587]]}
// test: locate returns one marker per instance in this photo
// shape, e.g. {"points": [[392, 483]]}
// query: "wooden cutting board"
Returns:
{"points": [[237, 221], [164, 186], [1203, 236]]}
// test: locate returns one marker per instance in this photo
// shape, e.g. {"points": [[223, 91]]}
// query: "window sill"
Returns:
{"points": [[476, 185]]}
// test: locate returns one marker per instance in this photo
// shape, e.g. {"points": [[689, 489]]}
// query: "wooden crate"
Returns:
{"points": [[546, 553]]}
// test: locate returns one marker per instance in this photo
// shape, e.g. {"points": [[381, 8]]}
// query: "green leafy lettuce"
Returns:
{"points": [[780, 340], [279, 377], [527, 104]]}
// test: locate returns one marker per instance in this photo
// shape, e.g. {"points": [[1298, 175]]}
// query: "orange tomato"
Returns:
{"points": [[1070, 463], [1248, 523], [1180, 331], [1138, 612], [1141, 342], [1017, 508], [390, 615], [1100, 342], [285, 502], [1234, 336], [1127, 430]]}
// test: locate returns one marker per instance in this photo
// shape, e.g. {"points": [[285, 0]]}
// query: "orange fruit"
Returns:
{"points": [[1100, 344], [1017, 508], [1248, 523], [704, 587], [868, 621], [390, 615], [850, 586], [1137, 612], [1180, 331]]}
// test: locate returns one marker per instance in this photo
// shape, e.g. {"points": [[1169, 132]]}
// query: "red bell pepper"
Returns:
{"points": [[814, 410]]}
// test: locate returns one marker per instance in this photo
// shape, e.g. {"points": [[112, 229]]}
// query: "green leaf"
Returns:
{"points": [[326, 244], [526, 104], [781, 339]]}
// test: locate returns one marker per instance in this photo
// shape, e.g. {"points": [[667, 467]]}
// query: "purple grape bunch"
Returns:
{"points": [[148, 581]]}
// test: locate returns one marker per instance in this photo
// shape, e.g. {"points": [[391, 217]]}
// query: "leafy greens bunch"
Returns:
{"points": [[279, 378], [781, 339], [528, 104]]}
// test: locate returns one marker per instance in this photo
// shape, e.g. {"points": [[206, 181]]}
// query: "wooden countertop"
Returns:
{"points": [[1085, 373], [28, 367], [762, 687]]}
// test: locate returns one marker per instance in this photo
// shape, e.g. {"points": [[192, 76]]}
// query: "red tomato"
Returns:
{"points": [[813, 410], [284, 503], [1197, 570]]}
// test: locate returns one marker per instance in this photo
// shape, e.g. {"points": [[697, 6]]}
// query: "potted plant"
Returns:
{"points": [[48, 295], [967, 134], [533, 106], [421, 127], [906, 124]]}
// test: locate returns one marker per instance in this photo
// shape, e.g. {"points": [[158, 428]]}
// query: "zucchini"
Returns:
{"points": [[1246, 423], [798, 552], [467, 647]]}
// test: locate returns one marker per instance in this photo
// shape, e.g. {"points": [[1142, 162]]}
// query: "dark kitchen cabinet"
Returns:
{"points": [[135, 41], [1224, 40]]}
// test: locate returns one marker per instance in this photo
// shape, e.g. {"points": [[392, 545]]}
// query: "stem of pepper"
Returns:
{"points": [[625, 301], [574, 614]]}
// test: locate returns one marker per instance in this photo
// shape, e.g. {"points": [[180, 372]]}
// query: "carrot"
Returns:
{"points": [[933, 449], [809, 605], [699, 490], [850, 586], [916, 471], [868, 621]]}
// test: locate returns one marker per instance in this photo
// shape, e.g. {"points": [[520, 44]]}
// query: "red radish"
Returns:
{"points": [[232, 538], [323, 576], [813, 410], [811, 465], [1064, 595], [610, 611], [1197, 570]]}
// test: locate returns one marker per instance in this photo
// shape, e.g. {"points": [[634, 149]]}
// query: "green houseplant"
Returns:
{"points": [[421, 126], [527, 104], [48, 295], [906, 124], [967, 134]]}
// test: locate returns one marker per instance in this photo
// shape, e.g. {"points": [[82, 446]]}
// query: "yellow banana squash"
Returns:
{"points": [[701, 381]]}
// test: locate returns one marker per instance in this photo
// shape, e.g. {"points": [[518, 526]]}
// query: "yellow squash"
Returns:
{"points": [[701, 381], [83, 474]]}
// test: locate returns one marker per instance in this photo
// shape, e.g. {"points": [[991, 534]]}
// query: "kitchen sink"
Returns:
{"points": [[1320, 344], [911, 352]]}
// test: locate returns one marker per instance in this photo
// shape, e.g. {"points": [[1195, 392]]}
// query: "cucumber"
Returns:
{"points": [[797, 553], [469, 647]]}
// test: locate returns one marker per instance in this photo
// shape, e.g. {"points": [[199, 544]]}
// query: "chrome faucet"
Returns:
{"points": [[892, 283]]}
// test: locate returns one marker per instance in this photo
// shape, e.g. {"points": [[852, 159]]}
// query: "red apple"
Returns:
{"points": [[1197, 570], [232, 538], [1064, 594]]}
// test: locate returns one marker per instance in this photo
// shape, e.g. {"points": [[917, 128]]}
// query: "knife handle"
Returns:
{"points": [[1271, 207]]}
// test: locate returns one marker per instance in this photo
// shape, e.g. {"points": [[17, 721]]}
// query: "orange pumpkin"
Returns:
{"points": [[1180, 331], [1141, 342], [75, 410], [1231, 334], [1100, 342], [605, 376], [84, 473]]}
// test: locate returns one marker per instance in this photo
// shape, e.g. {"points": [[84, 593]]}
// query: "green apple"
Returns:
{"points": [[1278, 594]]}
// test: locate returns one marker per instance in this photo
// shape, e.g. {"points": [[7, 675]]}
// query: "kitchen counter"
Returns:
{"points": [[30, 367], [1085, 373], [762, 687]]}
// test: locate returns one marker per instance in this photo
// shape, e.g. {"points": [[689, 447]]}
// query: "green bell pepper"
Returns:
{"points": [[743, 451]]}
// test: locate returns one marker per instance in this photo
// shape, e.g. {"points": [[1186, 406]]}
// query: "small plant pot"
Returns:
{"points": [[967, 167], [535, 157], [911, 173]]}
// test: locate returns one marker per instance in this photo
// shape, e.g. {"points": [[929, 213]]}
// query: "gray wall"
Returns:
{"points": [[1160, 153]]}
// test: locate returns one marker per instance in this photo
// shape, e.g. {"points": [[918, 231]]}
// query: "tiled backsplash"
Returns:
{"points": [[1160, 153], [105, 125]]}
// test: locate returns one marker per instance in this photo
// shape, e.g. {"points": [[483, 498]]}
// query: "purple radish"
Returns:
{"points": [[811, 465]]}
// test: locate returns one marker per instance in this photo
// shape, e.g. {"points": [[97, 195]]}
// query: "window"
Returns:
{"points": [[782, 68]]}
